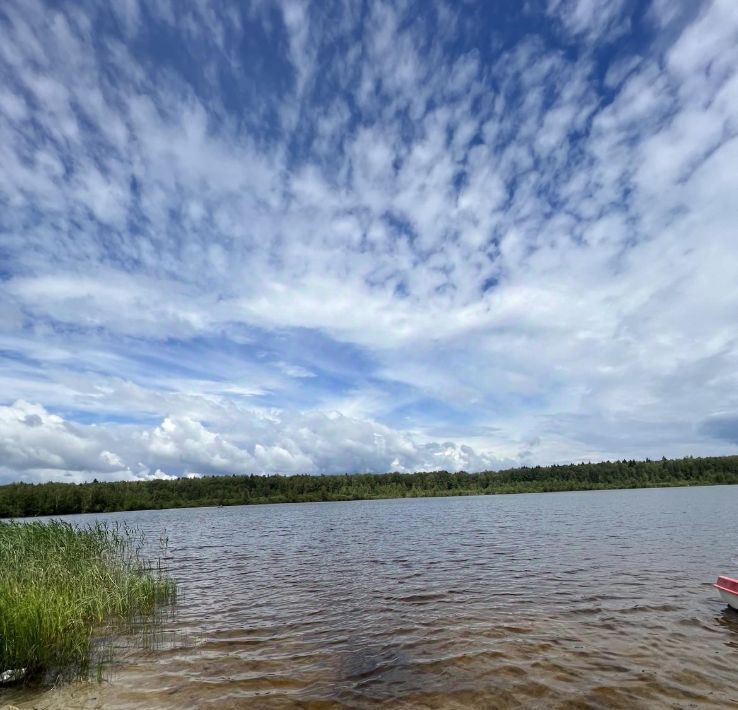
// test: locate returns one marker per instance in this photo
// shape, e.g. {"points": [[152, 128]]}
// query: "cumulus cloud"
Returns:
{"points": [[32, 438], [37, 445], [379, 212]]}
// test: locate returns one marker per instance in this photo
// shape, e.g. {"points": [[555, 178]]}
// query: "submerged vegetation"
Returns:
{"points": [[23, 499], [60, 585]]}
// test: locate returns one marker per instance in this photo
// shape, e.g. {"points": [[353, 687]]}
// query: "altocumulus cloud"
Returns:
{"points": [[325, 237]]}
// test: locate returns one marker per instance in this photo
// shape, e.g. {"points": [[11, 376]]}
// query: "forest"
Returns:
{"points": [[34, 499]]}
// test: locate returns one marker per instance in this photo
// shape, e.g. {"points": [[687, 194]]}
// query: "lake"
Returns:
{"points": [[587, 599]]}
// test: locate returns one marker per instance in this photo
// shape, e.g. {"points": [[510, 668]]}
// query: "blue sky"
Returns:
{"points": [[326, 237]]}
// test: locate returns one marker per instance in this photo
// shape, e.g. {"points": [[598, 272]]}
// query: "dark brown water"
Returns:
{"points": [[598, 599]]}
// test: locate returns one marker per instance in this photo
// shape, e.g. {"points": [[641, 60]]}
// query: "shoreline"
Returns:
{"points": [[32, 500]]}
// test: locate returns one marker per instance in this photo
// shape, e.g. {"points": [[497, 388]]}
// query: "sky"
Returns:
{"points": [[332, 237]]}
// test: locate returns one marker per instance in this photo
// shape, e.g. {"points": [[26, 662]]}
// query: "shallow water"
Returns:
{"points": [[596, 599]]}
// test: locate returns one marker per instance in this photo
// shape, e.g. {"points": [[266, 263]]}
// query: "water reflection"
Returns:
{"points": [[728, 619], [562, 600]]}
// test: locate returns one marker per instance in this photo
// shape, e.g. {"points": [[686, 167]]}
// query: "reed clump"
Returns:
{"points": [[61, 584]]}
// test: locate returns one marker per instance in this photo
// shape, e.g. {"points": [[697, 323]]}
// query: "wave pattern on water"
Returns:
{"points": [[598, 599]]}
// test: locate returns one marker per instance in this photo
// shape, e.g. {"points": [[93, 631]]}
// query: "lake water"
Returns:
{"points": [[596, 599]]}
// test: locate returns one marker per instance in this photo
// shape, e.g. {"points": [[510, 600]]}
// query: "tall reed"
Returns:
{"points": [[60, 584]]}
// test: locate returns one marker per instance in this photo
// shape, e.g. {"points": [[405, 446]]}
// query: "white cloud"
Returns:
{"points": [[487, 234], [37, 445], [594, 19], [34, 438]]}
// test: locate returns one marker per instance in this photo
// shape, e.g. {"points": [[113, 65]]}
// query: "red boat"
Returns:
{"points": [[728, 588]]}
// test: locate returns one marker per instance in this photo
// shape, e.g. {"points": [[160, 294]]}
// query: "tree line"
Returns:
{"points": [[28, 499]]}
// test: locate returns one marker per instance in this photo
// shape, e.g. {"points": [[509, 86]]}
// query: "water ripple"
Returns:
{"points": [[563, 600]]}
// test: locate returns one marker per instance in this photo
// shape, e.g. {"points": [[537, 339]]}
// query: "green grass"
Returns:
{"points": [[60, 585]]}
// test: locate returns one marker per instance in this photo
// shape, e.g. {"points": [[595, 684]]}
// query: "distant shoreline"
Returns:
{"points": [[50, 499]]}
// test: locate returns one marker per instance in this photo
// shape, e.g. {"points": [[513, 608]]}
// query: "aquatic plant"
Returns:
{"points": [[61, 585]]}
